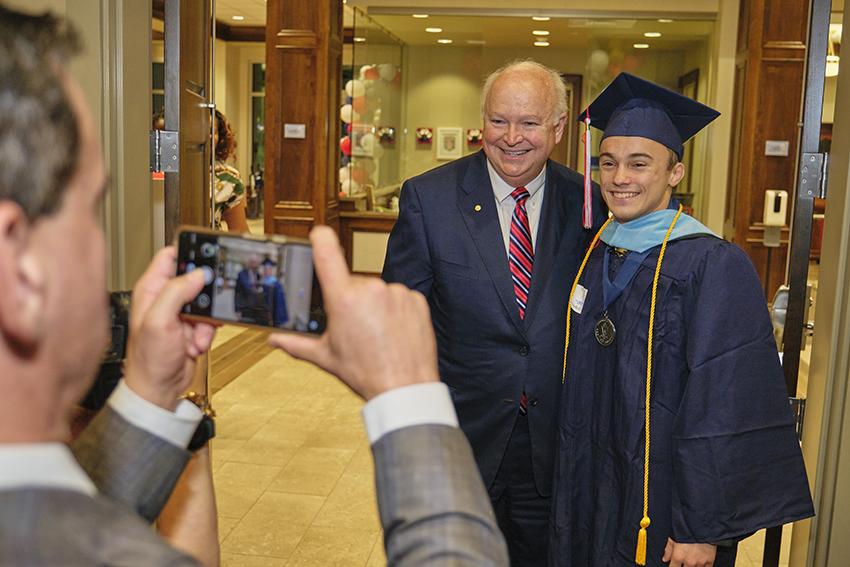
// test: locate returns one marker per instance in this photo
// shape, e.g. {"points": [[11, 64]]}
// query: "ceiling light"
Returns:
{"points": [[652, 34], [420, 16], [540, 32], [237, 18], [444, 41], [359, 39], [541, 43], [541, 18], [641, 46], [664, 21], [433, 30], [476, 42]]}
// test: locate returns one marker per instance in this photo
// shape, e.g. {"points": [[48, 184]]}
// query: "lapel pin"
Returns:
{"points": [[477, 208]]}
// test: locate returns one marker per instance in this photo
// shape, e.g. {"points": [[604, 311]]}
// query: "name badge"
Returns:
{"points": [[577, 301]]}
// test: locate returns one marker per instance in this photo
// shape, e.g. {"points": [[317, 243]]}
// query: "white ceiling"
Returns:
{"points": [[254, 12]]}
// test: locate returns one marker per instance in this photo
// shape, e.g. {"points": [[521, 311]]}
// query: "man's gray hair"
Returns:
{"points": [[558, 92], [39, 134]]}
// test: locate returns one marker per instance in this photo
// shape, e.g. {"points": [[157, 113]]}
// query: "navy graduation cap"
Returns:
{"points": [[631, 106]]}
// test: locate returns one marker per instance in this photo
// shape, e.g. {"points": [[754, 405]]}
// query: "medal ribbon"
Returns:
{"points": [[625, 274]]}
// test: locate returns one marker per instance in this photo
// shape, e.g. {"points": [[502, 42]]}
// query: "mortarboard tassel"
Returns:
{"points": [[640, 552], [587, 211]]}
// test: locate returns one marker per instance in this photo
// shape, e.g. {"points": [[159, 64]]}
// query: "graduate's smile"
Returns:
{"points": [[637, 176]]}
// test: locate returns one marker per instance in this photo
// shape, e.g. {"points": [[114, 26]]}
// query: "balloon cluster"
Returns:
{"points": [[360, 114]]}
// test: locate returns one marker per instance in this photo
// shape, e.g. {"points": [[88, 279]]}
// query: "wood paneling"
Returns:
{"points": [[303, 69], [768, 95], [351, 222]]}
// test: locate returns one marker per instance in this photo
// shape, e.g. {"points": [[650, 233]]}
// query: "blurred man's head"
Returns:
{"points": [[524, 107], [252, 262], [53, 309]]}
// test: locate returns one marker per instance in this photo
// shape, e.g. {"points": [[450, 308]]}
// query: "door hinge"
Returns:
{"points": [[164, 151], [813, 175]]}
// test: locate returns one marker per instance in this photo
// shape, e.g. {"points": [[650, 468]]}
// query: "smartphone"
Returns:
{"points": [[256, 281]]}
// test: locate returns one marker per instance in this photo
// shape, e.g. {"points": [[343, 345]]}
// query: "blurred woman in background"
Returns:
{"points": [[230, 193]]}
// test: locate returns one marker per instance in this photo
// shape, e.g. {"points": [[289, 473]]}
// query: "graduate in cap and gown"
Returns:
{"points": [[273, 293], [676, 437]]}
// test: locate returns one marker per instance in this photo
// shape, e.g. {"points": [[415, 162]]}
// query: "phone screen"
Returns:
{"points": [[249, 281]]}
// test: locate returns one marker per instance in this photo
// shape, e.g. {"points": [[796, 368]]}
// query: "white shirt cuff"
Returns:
{"points": [[419, 404], [176, 427]]}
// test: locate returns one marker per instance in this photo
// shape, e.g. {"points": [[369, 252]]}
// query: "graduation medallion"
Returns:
{"points": [[605, 331]]}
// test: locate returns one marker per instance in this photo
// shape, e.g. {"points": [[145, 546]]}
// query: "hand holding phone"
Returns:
{"points": [[379, 336]]}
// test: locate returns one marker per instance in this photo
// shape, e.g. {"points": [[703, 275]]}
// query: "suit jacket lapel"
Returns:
{"points": [[551, 227], [483, 226]]}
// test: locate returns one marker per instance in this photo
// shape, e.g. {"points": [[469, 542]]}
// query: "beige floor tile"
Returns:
{"points": [[274, 526], [377, 558], [238, 560], [242, 421], [223, 449], [313, 470], [332, 547], [338, 433], [264, 452], [362, 462], [239, 485], [351, 505], [225, 526]]}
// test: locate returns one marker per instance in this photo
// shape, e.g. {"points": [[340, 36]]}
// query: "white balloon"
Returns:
{"points": [[386, 71], [353, 187], [598, 60], [344, 174], [347, 114], [367, 142], [354, 88]]}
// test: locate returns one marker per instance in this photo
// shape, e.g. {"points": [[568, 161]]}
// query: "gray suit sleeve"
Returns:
{"points": [[434, 508], [129, 465]]}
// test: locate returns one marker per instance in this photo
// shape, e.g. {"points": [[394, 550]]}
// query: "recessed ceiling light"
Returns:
{"points": [[433, 30], [359, 39], [420, 16], [641, 46], [541, 18], [541, 43], [652, 34], [444, 41], [237, 18], [540, 32], [664, 21]]}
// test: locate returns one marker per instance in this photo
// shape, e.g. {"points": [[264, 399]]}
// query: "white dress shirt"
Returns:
{"points": [[419, 404], [505, 204], [52, 465]]}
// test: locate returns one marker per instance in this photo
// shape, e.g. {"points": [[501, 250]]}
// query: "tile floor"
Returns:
{"points": [[293, 471]]}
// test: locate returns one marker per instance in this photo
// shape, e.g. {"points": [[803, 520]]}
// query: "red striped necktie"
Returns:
{"points": [[520, 250]]}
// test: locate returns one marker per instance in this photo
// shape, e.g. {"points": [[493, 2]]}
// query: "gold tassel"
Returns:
{"points": [[640, 552]]}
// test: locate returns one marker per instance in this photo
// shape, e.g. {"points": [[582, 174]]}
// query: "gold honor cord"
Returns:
{"points": [[640, 551]]}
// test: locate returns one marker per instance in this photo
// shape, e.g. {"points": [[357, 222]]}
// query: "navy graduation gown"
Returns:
{"points": [[724, 457]]}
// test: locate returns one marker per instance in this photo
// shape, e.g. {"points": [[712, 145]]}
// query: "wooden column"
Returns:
{"points": [[769, 74], [303, 72]]}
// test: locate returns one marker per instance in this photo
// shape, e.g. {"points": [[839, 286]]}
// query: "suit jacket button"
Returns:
{"points": [[523, 350]]}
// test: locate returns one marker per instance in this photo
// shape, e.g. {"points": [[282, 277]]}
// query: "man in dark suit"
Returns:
{"points": [[493, 241], [91, 504]]}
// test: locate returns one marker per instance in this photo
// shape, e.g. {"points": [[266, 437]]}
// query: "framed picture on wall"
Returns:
{"points": [[449, 143]]}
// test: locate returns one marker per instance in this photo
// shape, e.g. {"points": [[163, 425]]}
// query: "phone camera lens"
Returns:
{"points": [[203, 301], [208, 249]]}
